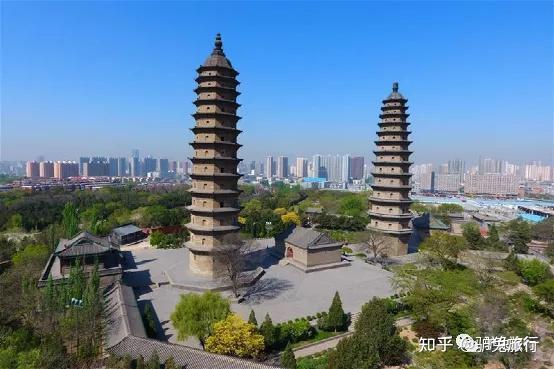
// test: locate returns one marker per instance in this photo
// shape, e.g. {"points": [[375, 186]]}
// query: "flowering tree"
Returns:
{"points": [[233, 336]]}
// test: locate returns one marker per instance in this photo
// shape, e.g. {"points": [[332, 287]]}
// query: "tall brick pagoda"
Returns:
{"points": [[214, 210], [390, 201]]}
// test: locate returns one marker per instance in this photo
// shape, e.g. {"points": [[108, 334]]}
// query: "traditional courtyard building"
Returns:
{"points": [[214, 209], [390, 201], [310, 250], [89, 250]]}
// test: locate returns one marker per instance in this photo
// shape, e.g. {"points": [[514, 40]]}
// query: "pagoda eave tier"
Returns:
{"points": [[195, 228], [390, 201], [391, 142], [403, 101], [394, 115], [215, 159], [199, 102], [391, 187], [388, 133], [388, 175], [390, 216], [391, 163], [229, 90], [215, 175], [212, 129], [218, 78], [216, 115], [392, 152], [200, 145], [406, 231], [201, 210], [393, 107], [215, 193], [204, 68], [384, 124]]}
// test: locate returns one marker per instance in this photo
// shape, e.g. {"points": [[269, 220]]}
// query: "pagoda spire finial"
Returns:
{"points": [[395, 87], [218, 43]]}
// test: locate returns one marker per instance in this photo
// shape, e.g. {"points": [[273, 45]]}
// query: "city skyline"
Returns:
{"points": [[139, 94]]}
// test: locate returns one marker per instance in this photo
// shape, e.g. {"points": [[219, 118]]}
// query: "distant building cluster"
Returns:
{"points": [[330, 168], [98, 166], [48, 169], [490, 177]]}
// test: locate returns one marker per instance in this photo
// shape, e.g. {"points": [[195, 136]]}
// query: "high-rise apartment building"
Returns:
{"points": [[269, 167], [134, 167], [33, 169], [162, 167], [46, 169], [113, 169], [446, 183], [491, 184], [443, 169], [301, 167], [345, 168], [149, 165], [357, 167], [317, 166], [97, 167], [282, 167], [489, 166], [535, 171], [456, 166], [66, 169], [122, 167]]}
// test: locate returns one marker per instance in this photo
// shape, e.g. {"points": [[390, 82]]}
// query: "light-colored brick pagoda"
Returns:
{"points": [[390, 201], [214, 208]]}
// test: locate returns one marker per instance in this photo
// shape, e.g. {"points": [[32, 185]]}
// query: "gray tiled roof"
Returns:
{"points": [[125, 335], [307, 238], [188, 357], [126, 229], [122, 315], [83, 244]]}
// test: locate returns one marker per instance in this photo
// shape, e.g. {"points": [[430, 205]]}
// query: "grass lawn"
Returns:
{"points": [[320, 335], [319, 362]]}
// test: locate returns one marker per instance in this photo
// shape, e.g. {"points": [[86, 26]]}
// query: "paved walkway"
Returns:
{"points": [[332, 342]]}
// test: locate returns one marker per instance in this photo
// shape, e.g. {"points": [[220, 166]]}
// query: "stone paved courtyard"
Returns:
{"points": [[284, 291]]}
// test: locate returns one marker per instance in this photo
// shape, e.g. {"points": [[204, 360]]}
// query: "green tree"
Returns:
{"points": [[287, 358], [545, 290], [70, 220], [140, 363], [171, 364], [15, 222], [472, 234], [419, 207], [29, 254], [353, 205], [252, 318], [375, 341], [153, 361], [336, 319], [149, 320], [195, 314], [518, 234], [493, 241], [533, 271], [443, 248], [270, 333]]}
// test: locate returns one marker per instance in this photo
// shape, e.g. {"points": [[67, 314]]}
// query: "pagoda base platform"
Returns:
{"points": [[180, 276]]}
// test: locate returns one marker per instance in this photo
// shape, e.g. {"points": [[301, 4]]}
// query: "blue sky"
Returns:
{"points": [[106, 77]]}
